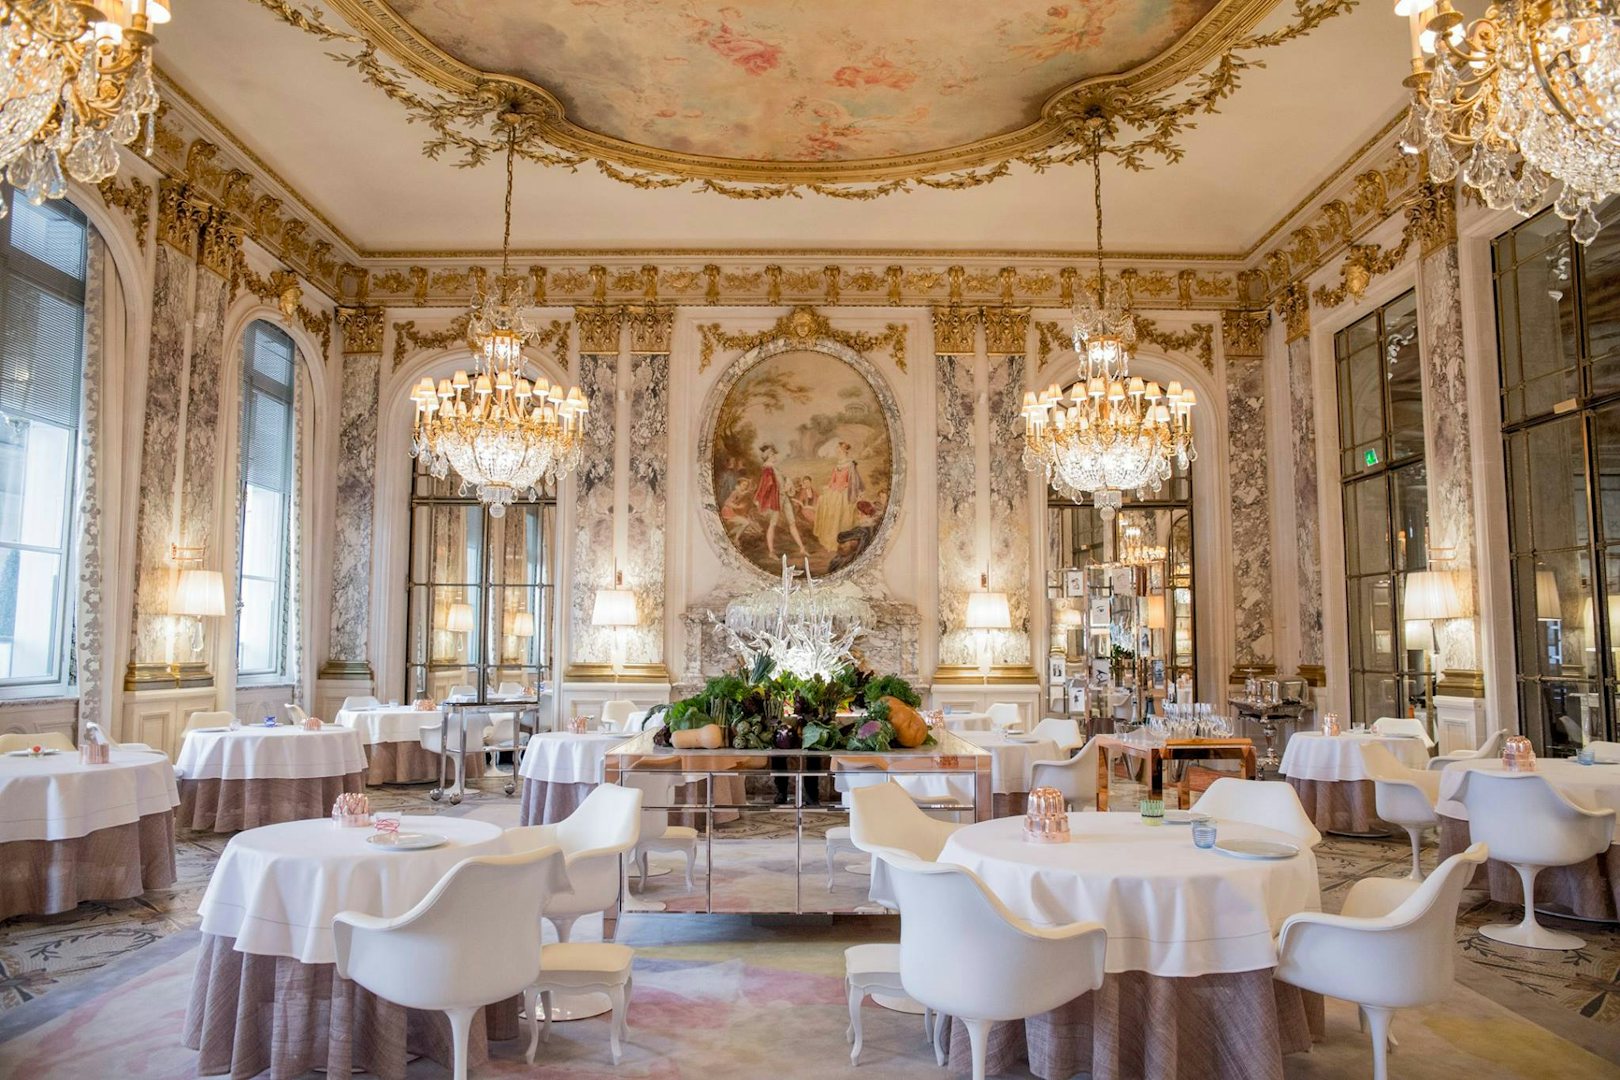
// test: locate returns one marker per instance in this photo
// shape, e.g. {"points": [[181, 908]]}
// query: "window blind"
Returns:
{"points": [[267, 410], [42, 313]]}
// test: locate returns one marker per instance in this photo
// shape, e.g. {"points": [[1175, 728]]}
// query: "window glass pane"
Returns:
{"points": [[1365, 382], [30, 633], [266, 465], [1555, 483], [1404, 374], [1410, 488], [1546, 312], [1372, 535], [262, 548], [258, 640]]}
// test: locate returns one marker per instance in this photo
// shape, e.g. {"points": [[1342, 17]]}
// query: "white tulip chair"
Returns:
{"points": [[360, 701], [1391, 947], [1403, 725], [1403, 796], [1004, 715], [1062, 730], [199, 720], [1529, 824], [1491, 747], [1003, 969], [462, 692], [93, 733], [615, 714], [27, 740], [885, 817], [1076, 777], [1270, 804], [594, 838], [295, 712], [1605, 751], [455, 951], [657, 834]]}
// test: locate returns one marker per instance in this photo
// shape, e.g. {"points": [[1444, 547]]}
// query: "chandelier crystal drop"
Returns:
{"points": [[1519, 102], [75, 84], [505, 435], [1114, 433]]}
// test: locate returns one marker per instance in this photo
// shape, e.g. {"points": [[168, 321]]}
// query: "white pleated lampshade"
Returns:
{"points": [[614, 607], [460, 619], [988, 611], [1431, 594], [523, 624], [1549, 605], [199, 592]]}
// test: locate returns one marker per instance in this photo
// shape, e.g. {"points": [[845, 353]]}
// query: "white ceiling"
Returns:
{"points": [[351, 153]]}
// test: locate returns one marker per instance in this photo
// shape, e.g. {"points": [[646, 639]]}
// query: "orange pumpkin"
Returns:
{"points": [[910, 729]]}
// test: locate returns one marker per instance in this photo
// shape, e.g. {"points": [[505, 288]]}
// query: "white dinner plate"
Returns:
{"points": [[48, 752], [1012, 732], [1183, 817], [209, 730], [1022, 738], [1256, 849], [409, 841]]}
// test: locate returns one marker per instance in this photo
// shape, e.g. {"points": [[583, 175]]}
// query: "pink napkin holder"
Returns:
{"points": [[423, 704], [313, 723], [1518, 755], [1330, 724], [352, 810], [95, 753]]}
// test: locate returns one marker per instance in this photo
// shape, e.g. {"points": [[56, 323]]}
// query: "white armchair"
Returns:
{"points": [[478, 952], [199, 720], [1004, 715], [1006, 969], [1391, 947], [1527, 822], [1403, 796], [1271, 804], [358, 701], [1076, 777], [295, 712], [616, 713], [1491, 747], [1403, 725], [1062, 730]]}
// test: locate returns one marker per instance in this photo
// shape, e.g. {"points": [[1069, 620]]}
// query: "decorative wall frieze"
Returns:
{"points": [[803, 325], [599, 328], [220, 246], [1431, 216], [135, 202], [408, 337], [1361, 264], [362, 329], [282, 287], [181, 216], [1197, 341]]}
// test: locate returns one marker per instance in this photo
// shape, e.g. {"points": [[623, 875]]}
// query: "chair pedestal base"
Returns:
{"points": [[1531, 935]]}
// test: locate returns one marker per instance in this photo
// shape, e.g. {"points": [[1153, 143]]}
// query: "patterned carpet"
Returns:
{"points": [[123, 968]]}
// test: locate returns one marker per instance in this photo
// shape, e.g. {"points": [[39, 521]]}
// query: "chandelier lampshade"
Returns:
{"points": [[1113, 432], [504, 434], [75, 84], [1520, 102]]}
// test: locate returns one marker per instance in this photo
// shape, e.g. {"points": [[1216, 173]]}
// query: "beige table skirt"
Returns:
{"points": [[249, 1015], [43, 877], [409, 763], [542, 802], [1346, 806], [1144, 1027], [232, 805], [1590, 890]]}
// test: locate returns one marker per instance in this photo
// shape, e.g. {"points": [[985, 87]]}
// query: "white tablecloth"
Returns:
{"points": [[1170, 909], [1596, 787], [278, 753], [967, 721], [399, 723], [1310, 755], [1010, 759], [277, 889], [561, 757], [57, 798]]}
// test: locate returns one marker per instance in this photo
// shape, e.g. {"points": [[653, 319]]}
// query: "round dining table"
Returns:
{"points": [[559, 768], [392, 735], [260, 775], [71, 832], [1189, 987], [1012, 758], [266, 994], [1328, 775], [1588, 890]]}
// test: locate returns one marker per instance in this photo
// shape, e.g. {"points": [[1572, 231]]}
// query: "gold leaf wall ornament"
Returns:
{"points": [[804, 325], [554, 336], [1006, 330], [1051, 337], [1293, 306], [408, 337], [135, 201], [318, 324], [362, 329], [1361, 264], [1431, 216], [651, 327], [1243, 333], [1152, 107], [955, 330], [220, 247], [599, 328], [1197, 340]]}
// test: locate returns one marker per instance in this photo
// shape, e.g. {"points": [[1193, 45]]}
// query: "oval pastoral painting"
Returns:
{"points": [[802, 463]]}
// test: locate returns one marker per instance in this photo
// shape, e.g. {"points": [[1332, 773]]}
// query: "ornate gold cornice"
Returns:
{"points": [[956, 330], [1361, 264], [181, 217], [803, 326], [651, 327], [1197, 340], [135, 201], [1006, 330], [220, 248], [362, 329], [599, 328], [283, 288], [407, 337], [1243, 333], [1293, 305], [1150, 108], [1431, 216]]}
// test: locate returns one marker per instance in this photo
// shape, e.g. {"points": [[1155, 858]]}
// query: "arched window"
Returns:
{"points": [[266, 506], [43, 252]]}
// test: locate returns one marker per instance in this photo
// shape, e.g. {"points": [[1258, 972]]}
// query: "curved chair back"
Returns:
{"points": [[1608, 750], [295, 713], [1003, 715], [27, 740], [1270, 804], [1401, 795], [1491, 747], [603, 827], [1526, 821], [476, 951], [885, 816], [1062, 730], [462, 692], [1005, 968], [208, 719], [360, 701], [615, 713], [1402, 725], [1076, 777]]}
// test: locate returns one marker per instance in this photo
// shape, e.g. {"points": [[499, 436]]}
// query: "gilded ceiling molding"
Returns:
{"points": [[220, 248], [1150, 108], [135, 201], [1294, 308], [1006, 330], [1196, 341], [1363, 263], [362, 329], [1431, 215], [181, 217], [956, 330], [802, 326], [1243, 333]]}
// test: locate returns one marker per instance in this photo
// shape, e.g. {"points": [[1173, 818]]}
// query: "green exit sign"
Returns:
{"points": [[1371, 458]]}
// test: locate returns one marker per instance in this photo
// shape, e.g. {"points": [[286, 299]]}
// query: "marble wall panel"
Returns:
{"points": [[1251, 518], [593, 510], [199, 481], [955, 482], [1448, 452], [160, 454], [648, 504], [1009, 504], [356, 494], [1307, 521]]}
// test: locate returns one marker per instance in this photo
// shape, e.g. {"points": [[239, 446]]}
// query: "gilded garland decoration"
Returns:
{"points": [[1148, 111], [802, 326]]}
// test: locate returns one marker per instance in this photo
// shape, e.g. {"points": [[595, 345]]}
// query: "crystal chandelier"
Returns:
{"points": [[75, 83], [1523, 98], [504, 435], [1134, 549], [1117, 433]]}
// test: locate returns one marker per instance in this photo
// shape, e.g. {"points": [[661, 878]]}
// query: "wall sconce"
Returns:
{"points": [[987, 611], [615, 608], [198, 595]]}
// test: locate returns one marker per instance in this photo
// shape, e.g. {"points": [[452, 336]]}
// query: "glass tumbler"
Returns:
{"points": [[1203, 833]]}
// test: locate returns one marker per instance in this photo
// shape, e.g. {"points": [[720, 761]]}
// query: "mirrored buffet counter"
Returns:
{"points": [[768, 830]]}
